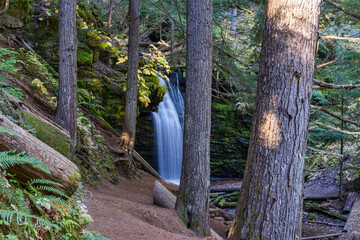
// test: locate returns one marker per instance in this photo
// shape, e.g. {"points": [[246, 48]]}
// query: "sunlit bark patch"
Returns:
{"points": [[269, 130]]}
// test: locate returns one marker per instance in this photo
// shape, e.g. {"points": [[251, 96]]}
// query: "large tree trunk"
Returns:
{"points": [[192, 204], [65, 114], [62, 169], [128, 136], [270, 202]]}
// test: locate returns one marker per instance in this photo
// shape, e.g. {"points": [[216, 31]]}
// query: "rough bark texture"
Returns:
{"points": [[65, 114], [6, 7], [192, 204], [132, 72], [270, 201], [62, 169]]}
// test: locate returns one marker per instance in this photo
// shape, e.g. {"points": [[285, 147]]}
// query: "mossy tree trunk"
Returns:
{"points": [[192, 205], [270, 202], [128, 135], [65, 114]]}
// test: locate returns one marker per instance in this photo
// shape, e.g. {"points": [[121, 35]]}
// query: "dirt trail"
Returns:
{"points": [[126, 211]]}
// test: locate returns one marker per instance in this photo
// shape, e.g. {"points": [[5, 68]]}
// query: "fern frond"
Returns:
{"points": [[9, 215], [9, 159], [43, 181], [57, 200], [9, 131], [51, 189], [20, 201], [33, 199], [14, 197], [69, 224], [7, 193]]}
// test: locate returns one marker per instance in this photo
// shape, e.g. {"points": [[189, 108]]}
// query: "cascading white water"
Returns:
{"points": [[169, 133]]}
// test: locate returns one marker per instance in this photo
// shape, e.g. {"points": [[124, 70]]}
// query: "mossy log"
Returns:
{"points": [[62, 169]]}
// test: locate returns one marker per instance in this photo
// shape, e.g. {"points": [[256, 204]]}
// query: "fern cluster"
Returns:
{"points": [[38, 210]]}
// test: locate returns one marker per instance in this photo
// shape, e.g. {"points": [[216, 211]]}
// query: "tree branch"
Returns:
{"points": [[341, 38], [164, 10], [325, 64], [149, 31], [322, 151], [343, 9], [6, 7], [336, 129], [334, 115], [322, 84], [231, 56]]}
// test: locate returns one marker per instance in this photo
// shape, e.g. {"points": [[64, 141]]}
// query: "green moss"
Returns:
{"points": [[49, 134], [311, 216], [94, 158], [94, 38], [19, 8], [84, 55], [75, 179]]}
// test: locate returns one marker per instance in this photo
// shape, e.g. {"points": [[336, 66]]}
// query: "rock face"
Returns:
{"points": [[323, 185], [230, 132], [16, 15]]}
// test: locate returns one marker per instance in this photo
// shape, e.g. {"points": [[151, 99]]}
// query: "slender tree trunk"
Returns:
{"points": [[65, 114], [6, 7], [233, 26], [110, 14], [341, 151], [270, 202], [128, 135], [192, 204]]}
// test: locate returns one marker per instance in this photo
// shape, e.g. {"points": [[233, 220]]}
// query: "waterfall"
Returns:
{"points": [[169, 133]]}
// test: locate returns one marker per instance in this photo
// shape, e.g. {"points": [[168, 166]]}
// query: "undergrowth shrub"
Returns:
{"points": [[38, 209]]}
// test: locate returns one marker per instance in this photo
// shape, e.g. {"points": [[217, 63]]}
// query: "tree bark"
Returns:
{"points": [[192, 204], [270, 202], [110, 14], [65, 114], [128, 135], [62, 169], [6, 7]]}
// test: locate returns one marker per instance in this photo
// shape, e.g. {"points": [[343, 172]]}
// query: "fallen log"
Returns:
{"points": [[353, 223], [350, 200], [147, 167], [322, 236], [62, 169], [328, 213], [164, 198], [325, 223], [233, 189]]}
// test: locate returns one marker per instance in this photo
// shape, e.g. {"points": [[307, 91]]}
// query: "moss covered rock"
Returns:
{"points": [[230, 133], [93, 157], [16, 15], [84, 55]]}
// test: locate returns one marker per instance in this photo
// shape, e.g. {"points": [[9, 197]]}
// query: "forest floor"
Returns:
{"points": [[126, 211]]}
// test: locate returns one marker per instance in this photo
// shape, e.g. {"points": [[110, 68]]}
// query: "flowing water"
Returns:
{"points": [[169, 133]]}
